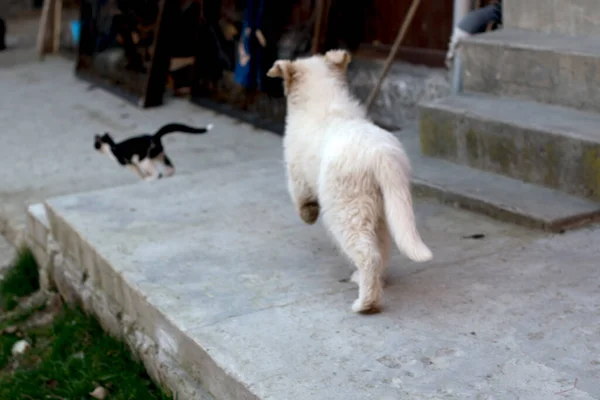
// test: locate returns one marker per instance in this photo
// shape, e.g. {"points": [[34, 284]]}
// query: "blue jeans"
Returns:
{"points": [[473, 23]]}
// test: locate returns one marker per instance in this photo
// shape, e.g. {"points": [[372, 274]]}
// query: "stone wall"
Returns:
{"points": [[404, 87]]}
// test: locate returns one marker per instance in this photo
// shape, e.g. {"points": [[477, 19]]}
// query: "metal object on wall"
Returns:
{"points": [[461, 8]]}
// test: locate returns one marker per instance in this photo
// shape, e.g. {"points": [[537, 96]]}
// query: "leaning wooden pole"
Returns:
{"points": [[43, 28], [320, 10], [388, 63]]}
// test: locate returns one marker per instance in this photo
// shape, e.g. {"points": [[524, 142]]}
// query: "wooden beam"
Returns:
{"points": [[56, 26], [388, 63], [43, 28], [318, 21]]}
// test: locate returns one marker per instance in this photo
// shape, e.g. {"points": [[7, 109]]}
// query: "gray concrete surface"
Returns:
{"points": [[570, 17], [255, 304], [553, 146], [48, 118], [548, 68]]}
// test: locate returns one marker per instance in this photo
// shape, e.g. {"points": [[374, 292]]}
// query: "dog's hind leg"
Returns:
{"points": [[354, 224], [384, 240]]}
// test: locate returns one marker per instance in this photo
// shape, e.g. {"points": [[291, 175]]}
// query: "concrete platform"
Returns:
{"points": [[50, 117], [548, 68], [552, 146], [253, 304]]}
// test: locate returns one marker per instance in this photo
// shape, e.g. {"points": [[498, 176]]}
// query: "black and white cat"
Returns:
{"points": [[144, 153]]}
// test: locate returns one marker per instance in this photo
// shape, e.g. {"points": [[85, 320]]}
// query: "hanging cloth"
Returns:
{"points": [[252, 44]]}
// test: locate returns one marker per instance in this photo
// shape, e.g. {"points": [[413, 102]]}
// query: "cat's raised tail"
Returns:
{"points": [[170, 128]]}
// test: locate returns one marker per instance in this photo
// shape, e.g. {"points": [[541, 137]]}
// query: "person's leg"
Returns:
{"points": [[477, 20], [473, 23]]}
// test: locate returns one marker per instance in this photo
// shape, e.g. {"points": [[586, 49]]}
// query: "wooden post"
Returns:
{"points": [[388, 63], [56, 26], [48, 38], [43, 28], [318, 21]]}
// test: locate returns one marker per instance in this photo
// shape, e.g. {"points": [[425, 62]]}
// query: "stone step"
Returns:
{"points": [[548, 68], [569, 17], [495, 195], [553, 146], [213, 279]]}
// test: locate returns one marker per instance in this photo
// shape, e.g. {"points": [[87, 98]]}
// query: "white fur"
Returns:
{"points": [[357, 172], [150, 169], [105, 148]]}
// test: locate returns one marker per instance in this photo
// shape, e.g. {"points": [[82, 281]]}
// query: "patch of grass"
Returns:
{"points": [[69, 357], [22, 279]]}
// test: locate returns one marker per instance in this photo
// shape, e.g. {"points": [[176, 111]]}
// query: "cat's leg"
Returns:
{"points": [[170, 168], [137, 170], [302, 195], [152, 173]]}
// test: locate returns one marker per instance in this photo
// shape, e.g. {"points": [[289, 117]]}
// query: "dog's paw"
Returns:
{"points": [[362, 307], [309, 212]]}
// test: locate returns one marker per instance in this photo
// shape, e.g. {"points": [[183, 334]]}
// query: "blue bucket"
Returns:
{"points": [[75, 31]]}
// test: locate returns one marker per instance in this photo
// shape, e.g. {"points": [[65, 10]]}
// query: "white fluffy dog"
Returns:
{"points": [[342, 166]]}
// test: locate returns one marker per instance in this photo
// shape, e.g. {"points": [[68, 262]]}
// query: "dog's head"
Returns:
{"points": [[103, 143], [312, 72]]}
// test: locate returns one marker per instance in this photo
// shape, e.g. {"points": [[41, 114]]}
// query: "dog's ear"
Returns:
{"points": [[281, 69], [339, 58]]}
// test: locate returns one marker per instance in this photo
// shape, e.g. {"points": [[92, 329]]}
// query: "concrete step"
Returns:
{"points": [[569, 17], [553, 146], [214, 278], [548, 68], [495, 195]]}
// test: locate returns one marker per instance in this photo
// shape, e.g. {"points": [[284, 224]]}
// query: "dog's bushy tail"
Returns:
{"points": [[170, 128], [393, 174]]}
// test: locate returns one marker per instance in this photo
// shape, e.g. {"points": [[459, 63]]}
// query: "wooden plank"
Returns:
{"points": [[180, 62], [388, 63], [43, 28], [318, 23], [56, 26]]}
